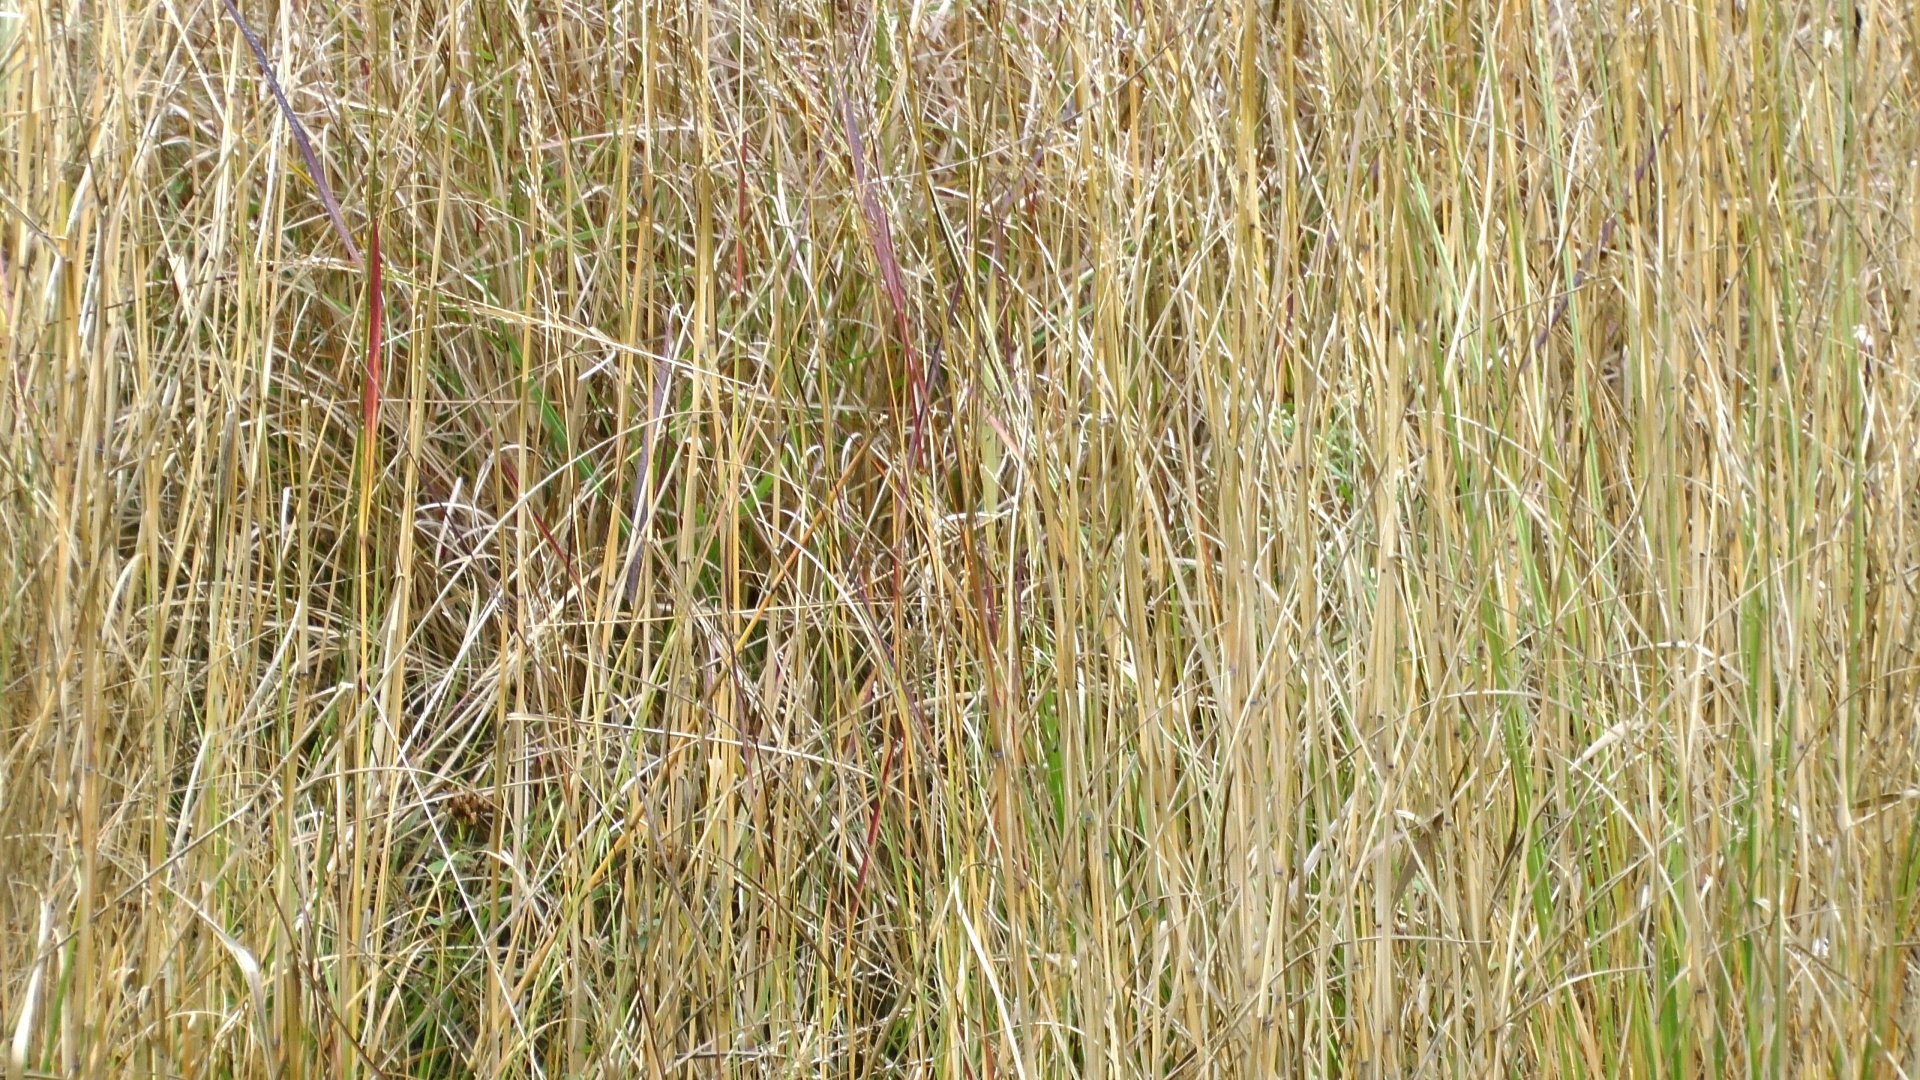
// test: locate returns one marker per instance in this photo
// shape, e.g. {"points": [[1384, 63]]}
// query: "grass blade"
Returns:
{"points": [[318, 174]]}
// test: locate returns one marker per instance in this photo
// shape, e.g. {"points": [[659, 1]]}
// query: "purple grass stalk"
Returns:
{"points": [[299, 135]]}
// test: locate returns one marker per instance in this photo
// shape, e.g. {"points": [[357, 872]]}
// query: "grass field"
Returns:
{"points": [[980, 539]]}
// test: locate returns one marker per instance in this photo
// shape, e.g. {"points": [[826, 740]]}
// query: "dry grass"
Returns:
{"points": [[963, 538]]}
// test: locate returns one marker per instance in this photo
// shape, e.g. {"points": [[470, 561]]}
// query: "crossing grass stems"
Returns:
{"points": [[962, 538]]}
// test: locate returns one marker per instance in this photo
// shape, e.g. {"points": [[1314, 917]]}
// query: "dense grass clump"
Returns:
{"points": [[979, 539]]}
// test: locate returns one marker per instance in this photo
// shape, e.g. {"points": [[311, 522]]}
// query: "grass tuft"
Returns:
{"points": [[964, 538]]}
